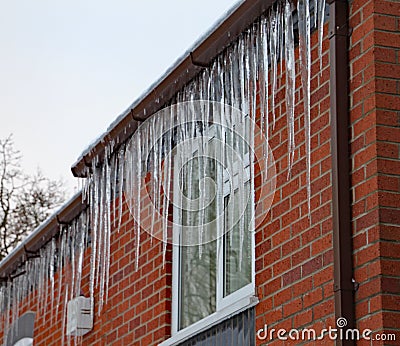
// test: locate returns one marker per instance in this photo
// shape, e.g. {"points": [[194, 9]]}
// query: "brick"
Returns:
{"points": [[311, 266], [384, 54], [386, 23], [313, 297], [387, 7], [292, 307]]}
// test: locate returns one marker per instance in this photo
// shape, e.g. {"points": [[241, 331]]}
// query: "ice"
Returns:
{"points": [[290, 81], [52, 267], [121, 170], [273, 50], [321, 17], [64, 318], [303, 8], [166, 183], [316, 10], [109, 183], [137, 192], [264, 91]]}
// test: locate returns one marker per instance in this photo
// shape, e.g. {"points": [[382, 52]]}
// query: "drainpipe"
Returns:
{"points": [[342, 230]]}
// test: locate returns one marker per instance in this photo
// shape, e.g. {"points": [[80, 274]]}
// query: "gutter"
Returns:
{"points": [[42, 235], [341, 200], [159, 94]]}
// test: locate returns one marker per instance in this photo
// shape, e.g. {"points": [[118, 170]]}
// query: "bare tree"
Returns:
{"points": [[25, 200]]}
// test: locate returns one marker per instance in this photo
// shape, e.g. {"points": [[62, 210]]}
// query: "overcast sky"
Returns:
{"points": [[69, 68]]}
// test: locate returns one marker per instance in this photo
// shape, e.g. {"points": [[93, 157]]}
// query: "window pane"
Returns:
{"points": [[237, 247], [198, 283], [198, 262]]}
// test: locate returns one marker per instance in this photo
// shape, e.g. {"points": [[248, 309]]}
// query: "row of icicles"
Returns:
{"points": [[231, 79], [54, 274]]}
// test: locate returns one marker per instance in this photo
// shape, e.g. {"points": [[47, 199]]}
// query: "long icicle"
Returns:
{"points": [[273, 50], [138, 179], [265, 98], [321, 18], [303, 8], [107, 245], [93, 254], [290, 81]]}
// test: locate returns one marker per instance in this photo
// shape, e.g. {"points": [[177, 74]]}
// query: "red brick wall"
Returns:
{"points": [[375, 120], [294, 255], [138, 310]]}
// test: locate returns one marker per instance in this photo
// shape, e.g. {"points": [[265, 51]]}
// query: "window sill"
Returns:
{"points": [[212, 320]]}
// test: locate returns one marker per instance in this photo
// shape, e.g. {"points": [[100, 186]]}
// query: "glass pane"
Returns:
{"points": [[198, 263], [198, 283], [237, 244]]}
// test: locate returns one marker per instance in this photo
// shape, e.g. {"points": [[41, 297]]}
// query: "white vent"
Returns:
{"points": [[79, 319]]}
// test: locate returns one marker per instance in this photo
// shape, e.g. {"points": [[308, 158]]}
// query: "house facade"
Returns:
{"points": [[249, 197]]}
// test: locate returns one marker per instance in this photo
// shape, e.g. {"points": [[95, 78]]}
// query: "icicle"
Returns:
{"points": [[93, 255], [108, 183], [305, 59], [72, 235], [100, 234], [240, 142], [60, 271], [290, 82], [103, 231], [159, 173], [63, 331], [45, 267], [138, 191], [154, 176], [192, 128], [8, 308], [281, 33], [114, 171], [264, 89], [41, 282], [254, 61], [167, 184], [13, 305], [2, 314], [201, 167], [273, 49], [316, 9], [52, 265], [182, 126], [321, 18], [120, 186], [82, 243]]}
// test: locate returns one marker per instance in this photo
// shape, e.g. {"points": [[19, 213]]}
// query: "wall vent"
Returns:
{"points": [[79, 318]]}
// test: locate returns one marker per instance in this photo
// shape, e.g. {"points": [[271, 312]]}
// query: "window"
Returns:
{"points": [[213, 254], [21, 332]]}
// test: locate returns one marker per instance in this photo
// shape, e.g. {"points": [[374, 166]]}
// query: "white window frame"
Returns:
{"points": [[232, 304]]}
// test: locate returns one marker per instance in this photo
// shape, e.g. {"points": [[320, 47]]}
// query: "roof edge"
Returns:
{"points": [[42, 234]]}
